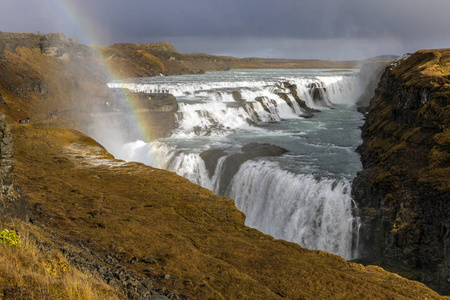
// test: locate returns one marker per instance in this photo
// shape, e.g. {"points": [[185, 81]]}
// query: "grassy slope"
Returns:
{"points": [[29, 272], [195, 235], [145, 212]]}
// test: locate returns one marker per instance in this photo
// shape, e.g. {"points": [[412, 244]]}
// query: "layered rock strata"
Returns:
{"points": [[404, 190]]}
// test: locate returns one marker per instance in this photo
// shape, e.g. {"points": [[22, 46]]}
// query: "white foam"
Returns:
{"points": [[315, 213]]}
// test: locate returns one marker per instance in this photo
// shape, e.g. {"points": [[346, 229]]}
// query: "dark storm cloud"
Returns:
{"points": [[241, 27]]}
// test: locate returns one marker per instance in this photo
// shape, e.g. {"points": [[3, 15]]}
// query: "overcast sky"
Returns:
{"points": [[324, 29]]}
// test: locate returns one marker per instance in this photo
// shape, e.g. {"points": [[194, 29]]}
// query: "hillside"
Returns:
{"points": [[404, 191], [102, 228], [142, 218], [209, 62]]}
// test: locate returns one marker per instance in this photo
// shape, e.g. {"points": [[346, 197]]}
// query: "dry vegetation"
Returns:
{"points": [[31, 271], [197, 237]]}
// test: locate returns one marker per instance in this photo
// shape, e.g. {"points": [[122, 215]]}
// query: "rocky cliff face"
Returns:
{"points": [[13, 203], [403, 191]]}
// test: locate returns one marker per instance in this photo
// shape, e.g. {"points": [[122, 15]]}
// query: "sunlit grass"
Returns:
{"points": [[27, 272]]}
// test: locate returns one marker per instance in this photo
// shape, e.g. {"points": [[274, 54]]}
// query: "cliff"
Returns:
{"points": [[403, 191], [126, 230]]}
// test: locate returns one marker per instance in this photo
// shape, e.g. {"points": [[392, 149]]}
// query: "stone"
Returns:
{"points": [[211, 157], [249, 151], [237, 96], [164, 276], [13, 202], [149, 260]]}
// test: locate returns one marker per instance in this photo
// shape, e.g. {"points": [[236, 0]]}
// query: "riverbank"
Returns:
{"points": [[173, 233], [136, 222]]}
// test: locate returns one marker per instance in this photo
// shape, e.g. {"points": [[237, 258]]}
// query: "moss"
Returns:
{"points": [[192, 233], [406, 152]]}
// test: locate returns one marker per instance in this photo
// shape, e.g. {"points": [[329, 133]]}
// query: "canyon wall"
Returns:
{"points": [[403, 191]]}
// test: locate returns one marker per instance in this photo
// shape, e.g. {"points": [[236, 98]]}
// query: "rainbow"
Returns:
{"points": [[77, 17]]}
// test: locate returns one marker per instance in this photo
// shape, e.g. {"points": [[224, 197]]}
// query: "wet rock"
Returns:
{"points": [[307, 112], [249, 151], [237, 96], [317, 92], [211, 157]]}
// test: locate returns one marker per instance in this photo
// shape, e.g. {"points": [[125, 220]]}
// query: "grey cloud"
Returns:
{"points": [[243, 26]]}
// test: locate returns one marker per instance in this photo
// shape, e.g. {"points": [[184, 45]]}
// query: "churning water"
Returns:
{"points": [[301, 196]]}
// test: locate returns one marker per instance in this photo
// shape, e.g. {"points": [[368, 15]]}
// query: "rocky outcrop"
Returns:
{"points": [[404, 189], [10, 41], [235, 160], [211, 157], [29, 86], [237, 96], [56, 44], [13, 203], [156, 112], [249, 151], [292, 88]]}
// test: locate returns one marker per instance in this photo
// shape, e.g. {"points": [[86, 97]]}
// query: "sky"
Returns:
{"points": [[313, 29]]}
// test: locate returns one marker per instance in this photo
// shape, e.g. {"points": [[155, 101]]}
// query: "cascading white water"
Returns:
{"points": [[302, 196], [315, 213]]}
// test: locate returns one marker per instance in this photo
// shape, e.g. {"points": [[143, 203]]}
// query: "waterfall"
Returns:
{"points": [[302, 197], [315, 213]]}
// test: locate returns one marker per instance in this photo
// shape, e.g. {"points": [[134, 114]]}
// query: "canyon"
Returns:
{"points": [[167, 236]]}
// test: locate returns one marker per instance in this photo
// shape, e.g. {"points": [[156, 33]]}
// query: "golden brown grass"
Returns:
{"points": [[28, 272], [196, 236]]}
